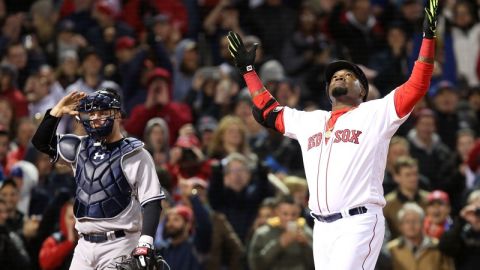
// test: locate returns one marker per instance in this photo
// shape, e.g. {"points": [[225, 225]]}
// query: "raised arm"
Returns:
{"points": [[266, 109], [44, 138], [409, 93]]}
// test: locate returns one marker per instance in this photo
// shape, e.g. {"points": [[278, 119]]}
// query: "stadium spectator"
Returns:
{"points": [[158, 104], [406, 176], [12, 250], [462, 241], [237, 189], [57, 250], [10, 92], [437, 218], [285, 242], [414, 250], [427, 147]]}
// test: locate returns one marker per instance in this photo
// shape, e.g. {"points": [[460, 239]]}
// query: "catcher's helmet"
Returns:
{"points": [[104, 99], [342, 64]]}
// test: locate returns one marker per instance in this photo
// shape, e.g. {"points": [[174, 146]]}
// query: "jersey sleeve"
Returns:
{"points": [[142, 168], [385, 114], [295, 121]]}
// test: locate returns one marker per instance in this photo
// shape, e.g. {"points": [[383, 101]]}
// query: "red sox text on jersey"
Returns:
{"points": [[344, 135]]}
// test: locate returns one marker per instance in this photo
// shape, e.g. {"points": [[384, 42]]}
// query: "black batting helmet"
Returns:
{"points": [[342, 64]]}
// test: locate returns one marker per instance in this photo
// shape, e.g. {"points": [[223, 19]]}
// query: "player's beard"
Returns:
{"points": [[339, 91]]}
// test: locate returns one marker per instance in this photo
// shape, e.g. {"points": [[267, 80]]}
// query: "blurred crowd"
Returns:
{"points": [[237, 191]]}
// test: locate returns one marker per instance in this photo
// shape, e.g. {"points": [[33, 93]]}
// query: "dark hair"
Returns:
{"points": [[87, 51], [287, 199], [466, 131], [9, 182]]}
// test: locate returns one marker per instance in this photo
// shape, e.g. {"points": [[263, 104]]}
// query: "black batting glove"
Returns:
{"points": [[430, 22], [242, 58], [144, 257]]}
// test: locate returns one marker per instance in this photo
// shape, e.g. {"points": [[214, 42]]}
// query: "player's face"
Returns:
{"points": [[438, 211], [411, 225], [345, 87], [407, 178], [97, 118]]}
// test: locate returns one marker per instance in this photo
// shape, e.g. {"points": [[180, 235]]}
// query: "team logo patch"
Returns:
{"points": [[98, 156], [277, 109]]}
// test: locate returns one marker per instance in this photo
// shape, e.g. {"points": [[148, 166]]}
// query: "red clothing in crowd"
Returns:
{"points": [[56, 248], [177, 12], [175, 114], [18, 100], [14, 157]]}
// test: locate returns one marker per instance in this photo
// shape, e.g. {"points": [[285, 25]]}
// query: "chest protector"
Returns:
{"points": [[103, 191]]}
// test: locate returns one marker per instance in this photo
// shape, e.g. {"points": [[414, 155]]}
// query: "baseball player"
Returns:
{"points": [[115, 177], [344, 151]]}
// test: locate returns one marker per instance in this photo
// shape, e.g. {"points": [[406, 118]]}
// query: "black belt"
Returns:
{"points": [[337, 216], [103, 237]]}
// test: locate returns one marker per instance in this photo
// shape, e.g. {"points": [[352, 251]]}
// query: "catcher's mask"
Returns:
{"points": [[342, 64], [97, 112]]}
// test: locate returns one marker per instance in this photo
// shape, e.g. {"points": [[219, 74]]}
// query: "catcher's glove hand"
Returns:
{"points": [[143, 258], [430, 22], [242, 58]]}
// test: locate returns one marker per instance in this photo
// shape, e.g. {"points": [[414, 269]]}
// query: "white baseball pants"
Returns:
{"points": [[349, 243]]}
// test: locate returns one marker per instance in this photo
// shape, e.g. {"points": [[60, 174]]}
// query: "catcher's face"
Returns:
{"points": [[344, 87]]}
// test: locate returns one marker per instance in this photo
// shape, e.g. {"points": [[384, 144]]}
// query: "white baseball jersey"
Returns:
{"points": [[346, 170], [139, 170]]}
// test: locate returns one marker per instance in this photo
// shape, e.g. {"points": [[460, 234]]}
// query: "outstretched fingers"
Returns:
{"points": [[233, 42], [238, 39], [232, 50]]}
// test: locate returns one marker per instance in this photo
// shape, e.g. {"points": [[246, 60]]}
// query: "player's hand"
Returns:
{"points": [[430, 22], [68, 104], [243, 59], [143, 256]]}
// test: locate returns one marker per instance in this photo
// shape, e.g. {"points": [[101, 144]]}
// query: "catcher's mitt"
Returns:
{"points": [[143, 260]]}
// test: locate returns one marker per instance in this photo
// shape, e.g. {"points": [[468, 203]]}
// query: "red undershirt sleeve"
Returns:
{"points": [[260, 97], [409, 93]]}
